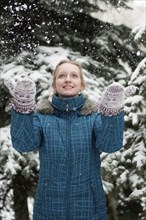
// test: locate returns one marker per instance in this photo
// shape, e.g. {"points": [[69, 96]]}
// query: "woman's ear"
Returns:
{"points": [[82, 88]]}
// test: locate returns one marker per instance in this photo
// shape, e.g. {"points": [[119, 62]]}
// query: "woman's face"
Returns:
{"points": [[68, 80]]}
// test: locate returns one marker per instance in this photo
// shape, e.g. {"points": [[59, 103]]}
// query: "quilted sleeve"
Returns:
{"points": [[25, 131], [109, 132]]}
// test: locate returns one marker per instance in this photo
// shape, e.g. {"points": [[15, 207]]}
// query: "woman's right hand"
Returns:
{"points": [[23, 94]]}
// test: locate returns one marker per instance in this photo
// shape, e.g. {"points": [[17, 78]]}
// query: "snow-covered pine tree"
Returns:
{"points": [[126, 169]]}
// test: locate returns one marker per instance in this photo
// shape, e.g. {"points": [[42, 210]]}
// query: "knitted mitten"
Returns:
{"points": [[23, 95], [112, 99]]}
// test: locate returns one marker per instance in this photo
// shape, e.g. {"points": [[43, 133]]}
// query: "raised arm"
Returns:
{"points": [[26, 131], [109, 134], [25, 125]]}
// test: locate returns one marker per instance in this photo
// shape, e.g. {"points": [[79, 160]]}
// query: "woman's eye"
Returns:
{"points": [[74, 75], [61, 76]]}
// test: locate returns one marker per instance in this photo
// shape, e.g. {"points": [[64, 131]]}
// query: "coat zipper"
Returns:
{"points": [[68, 184]]}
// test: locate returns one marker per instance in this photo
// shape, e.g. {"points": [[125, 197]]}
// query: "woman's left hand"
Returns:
{"points": [[112, 99]]}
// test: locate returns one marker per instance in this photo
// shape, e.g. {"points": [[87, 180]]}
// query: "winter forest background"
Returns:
{"points": [[35, 36]]}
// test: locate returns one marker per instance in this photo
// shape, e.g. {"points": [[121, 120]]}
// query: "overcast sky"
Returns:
{"points": [[131, 18]]}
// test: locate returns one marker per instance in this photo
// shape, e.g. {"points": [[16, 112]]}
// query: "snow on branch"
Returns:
{"points": [[137, 193], [138, 32], [141, 66]]}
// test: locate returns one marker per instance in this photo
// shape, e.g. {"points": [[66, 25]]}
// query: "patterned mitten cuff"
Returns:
{"points": [[112, 99], [23, 95]]}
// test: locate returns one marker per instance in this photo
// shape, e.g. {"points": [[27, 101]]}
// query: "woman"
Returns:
{"points": [[69, 133]]}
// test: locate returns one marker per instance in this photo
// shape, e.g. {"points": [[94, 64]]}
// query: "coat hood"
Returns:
{"points": [[45, 106]]}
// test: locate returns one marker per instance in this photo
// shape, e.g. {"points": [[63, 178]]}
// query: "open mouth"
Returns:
{"points": [[68, 87]]}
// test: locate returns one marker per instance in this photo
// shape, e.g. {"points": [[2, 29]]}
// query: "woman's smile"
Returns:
{"points": [[68, 87]]}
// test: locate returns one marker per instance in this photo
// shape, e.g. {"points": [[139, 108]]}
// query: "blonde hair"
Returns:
{"points": [[71, 62]]}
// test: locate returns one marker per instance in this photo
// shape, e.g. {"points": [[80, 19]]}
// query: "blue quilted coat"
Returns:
{"points": [[69, 134]]}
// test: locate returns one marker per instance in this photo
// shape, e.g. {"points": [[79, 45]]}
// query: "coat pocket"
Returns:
{"points": [[39, 203], [99, 200], [94, 196], [53, 204]]}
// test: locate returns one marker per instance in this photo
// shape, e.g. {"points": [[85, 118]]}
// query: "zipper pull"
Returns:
{"points": [[67, 107]]}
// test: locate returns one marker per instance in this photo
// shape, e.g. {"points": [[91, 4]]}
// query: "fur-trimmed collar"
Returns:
{"points": [[44, 107]]}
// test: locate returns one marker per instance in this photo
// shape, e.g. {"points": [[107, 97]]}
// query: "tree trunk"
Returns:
{"points": [[111, 207], [20, 198]]}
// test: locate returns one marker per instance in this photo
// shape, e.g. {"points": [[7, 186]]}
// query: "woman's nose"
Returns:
{"points": [[68, 78]]}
